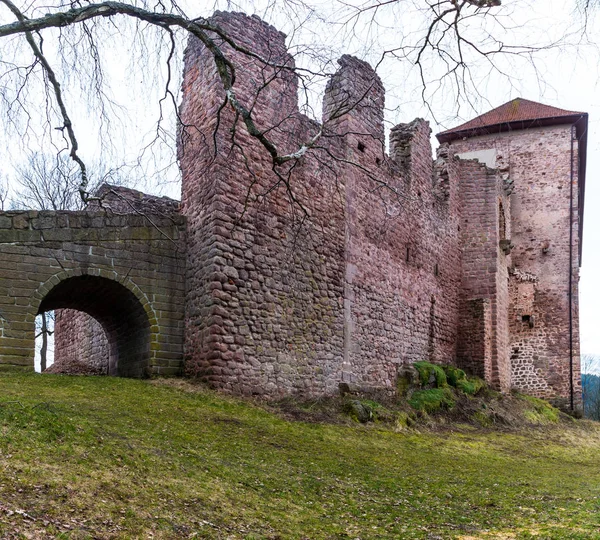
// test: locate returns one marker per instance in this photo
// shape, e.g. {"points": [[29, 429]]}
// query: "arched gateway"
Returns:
{"points": [[125, 316], [125, 271]]}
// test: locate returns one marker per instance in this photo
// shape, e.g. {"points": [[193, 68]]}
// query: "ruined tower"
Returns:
{"points": [[540, 154]]}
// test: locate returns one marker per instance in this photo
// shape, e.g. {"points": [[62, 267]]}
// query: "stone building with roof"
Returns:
{"points": [[540, 153], [468, 257]]}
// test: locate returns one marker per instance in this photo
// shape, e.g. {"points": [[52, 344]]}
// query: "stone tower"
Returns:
{"points": [[540, 153]]}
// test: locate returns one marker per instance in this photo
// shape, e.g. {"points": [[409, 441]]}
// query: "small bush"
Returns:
{"points": [[432, 400]]}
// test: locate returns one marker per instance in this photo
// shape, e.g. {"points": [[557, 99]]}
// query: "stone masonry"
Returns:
{"points": [[403, 257], [125, 271], [81, 345], [539, 161], [344, 265]]}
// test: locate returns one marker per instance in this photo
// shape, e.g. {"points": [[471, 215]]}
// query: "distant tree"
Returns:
{"points": [[590, 386], [44, 330], [3, 193], [50, 182]]}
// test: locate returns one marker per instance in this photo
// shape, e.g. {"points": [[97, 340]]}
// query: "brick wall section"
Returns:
{"points": [[538, 162], [484, 264], [79, 342], [276, 304], [125, 272], [474, 353], [127, 200]]}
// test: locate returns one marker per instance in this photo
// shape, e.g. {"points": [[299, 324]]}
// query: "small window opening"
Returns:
{"points": [[528, 319], [361, 146], [436, 270], [378, 161], [501, 222], [407, 254]]}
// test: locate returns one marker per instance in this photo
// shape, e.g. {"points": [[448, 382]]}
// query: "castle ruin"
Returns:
{"points": [[338, 267]]}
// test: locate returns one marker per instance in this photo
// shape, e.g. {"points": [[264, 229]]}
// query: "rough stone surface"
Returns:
{"points": [[126, 271], [535, 165], [337, 270], [403, 257], [81, 344], [79, 340]]}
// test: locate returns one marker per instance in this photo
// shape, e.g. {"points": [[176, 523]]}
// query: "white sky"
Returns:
{"points": [[565, 77]]}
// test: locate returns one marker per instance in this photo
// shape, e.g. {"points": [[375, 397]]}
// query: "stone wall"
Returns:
{"points": [[265, 275], [80, 344], [121, 269], [474, 352], [338, 270], [333, 268], [535, 165], [484, 218]]}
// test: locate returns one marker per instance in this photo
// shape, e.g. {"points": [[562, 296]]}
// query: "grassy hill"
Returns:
{"points": [[93, 457]]}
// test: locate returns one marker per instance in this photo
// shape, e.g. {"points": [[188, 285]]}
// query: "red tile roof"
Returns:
{"points": [[516, 110], [523, 114]]}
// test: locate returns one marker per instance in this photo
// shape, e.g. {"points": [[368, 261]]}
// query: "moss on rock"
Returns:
{"points": [[431, 375], [359, 411]]}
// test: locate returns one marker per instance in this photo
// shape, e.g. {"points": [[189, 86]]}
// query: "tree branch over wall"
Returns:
{"points": [[447, 35]]}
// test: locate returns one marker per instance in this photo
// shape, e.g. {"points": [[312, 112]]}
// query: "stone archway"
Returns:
{"points": [[124, 316]]}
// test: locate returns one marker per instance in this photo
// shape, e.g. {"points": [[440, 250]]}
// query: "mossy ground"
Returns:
{"points": [[92, 457]]}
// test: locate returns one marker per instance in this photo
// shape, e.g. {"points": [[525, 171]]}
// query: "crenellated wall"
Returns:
{"points": [[265, 252], [337, 267], [340, 271]]}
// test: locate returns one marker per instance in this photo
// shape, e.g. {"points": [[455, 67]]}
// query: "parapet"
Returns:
{"points": [[355, 92], [126, 200]]}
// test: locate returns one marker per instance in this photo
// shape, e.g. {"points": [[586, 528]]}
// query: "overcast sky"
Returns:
{"points": [[565, 76]]}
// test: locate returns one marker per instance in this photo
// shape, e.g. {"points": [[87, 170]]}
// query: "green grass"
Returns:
{"points": [[432, 400], [114, 458]]}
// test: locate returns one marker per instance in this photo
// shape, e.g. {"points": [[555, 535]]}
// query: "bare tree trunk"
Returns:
{"points": [[44, 349]]}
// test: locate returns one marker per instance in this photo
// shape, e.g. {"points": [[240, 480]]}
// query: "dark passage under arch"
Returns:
{"points": [[119, 312]]}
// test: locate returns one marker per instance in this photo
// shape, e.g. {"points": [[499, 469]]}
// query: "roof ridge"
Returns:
{"points": [[518, 109]]}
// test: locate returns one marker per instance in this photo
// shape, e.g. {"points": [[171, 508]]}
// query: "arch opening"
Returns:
{"points": [[118, 312], [82, 344]]}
